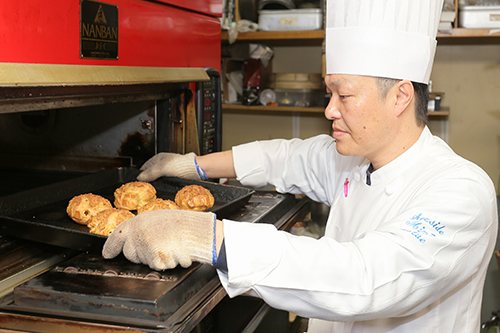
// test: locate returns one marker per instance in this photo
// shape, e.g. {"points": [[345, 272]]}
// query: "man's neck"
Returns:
{"points": [[400, 145]]}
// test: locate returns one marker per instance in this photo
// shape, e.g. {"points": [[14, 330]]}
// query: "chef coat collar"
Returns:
{"points": [[369, 175], [389, 171]]}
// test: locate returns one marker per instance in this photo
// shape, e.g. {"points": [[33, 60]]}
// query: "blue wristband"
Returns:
{"points": [[214, 248], [201, 173]]}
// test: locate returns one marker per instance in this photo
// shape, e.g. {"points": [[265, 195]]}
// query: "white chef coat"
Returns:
{"points": [[407, 254]]}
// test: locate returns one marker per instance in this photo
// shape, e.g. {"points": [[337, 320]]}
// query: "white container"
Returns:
{"points": [[290, 19], [479, 17]]}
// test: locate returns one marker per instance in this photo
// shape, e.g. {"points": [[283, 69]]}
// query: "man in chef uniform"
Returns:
{"points": [[412, 226]]}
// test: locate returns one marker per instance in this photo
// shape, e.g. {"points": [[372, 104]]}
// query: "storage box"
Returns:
{"points": [[298, 89], [300, 97], [296, 81], [479, 17], [291, 19]]}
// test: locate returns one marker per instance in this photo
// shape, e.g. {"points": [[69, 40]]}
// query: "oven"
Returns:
{"points": [[92, 127], [60, 141], [89, 91], [91, 139]]}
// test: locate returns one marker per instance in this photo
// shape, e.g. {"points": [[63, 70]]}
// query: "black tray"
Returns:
{"points": [[82, 288], [40, 214]]}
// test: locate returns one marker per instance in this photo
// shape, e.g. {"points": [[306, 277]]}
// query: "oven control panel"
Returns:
{"points": [[209, 113]]}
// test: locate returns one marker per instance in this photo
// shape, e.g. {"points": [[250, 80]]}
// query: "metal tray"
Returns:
{"points": [[116, 291], [40, 214]]}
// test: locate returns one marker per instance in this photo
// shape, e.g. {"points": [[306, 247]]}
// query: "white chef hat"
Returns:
{"points": [[382, 38]]}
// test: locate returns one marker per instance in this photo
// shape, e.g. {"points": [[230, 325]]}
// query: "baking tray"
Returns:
{"points": [[40, 214], [83, 288]]}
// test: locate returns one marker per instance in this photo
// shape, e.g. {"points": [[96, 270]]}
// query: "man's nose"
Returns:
{"points": [[332, 111]]}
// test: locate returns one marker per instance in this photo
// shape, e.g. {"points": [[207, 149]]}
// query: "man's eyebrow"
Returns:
{"points": [[336, 82]]}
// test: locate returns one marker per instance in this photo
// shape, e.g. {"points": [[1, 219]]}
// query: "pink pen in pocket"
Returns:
{"points": [[346, 187]]}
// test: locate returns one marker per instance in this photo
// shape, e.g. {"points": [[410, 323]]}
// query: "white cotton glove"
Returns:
{"points": [[169, 164], [164, 238]]}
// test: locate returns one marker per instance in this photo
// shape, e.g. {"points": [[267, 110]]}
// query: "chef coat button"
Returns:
{"points": [[389, 190], [357, 177]]}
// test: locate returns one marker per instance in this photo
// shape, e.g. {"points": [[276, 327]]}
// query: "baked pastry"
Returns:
{"points": [[83, 207], [157, 204], [134, 195], [106, 221], [194, 197]]}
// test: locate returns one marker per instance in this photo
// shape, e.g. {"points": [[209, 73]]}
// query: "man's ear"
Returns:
{"points": [[404, 96]]}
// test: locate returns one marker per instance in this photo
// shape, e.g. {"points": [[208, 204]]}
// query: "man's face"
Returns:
{"points": [[361, 118]]}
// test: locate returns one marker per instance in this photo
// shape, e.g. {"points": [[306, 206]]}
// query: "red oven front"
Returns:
{"points": [[162, 33]]}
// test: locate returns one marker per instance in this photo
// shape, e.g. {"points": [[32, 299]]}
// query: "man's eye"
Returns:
{"points": [[329, 95]]}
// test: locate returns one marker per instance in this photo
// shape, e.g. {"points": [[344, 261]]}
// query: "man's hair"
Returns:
{"points": [[421, 96]]}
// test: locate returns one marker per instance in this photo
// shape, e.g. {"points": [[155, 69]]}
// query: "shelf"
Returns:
{"points": [[292, 38], [316, 37], [320, 34], [464, 32], [260, 108], [444, 112], [469, 36]]}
